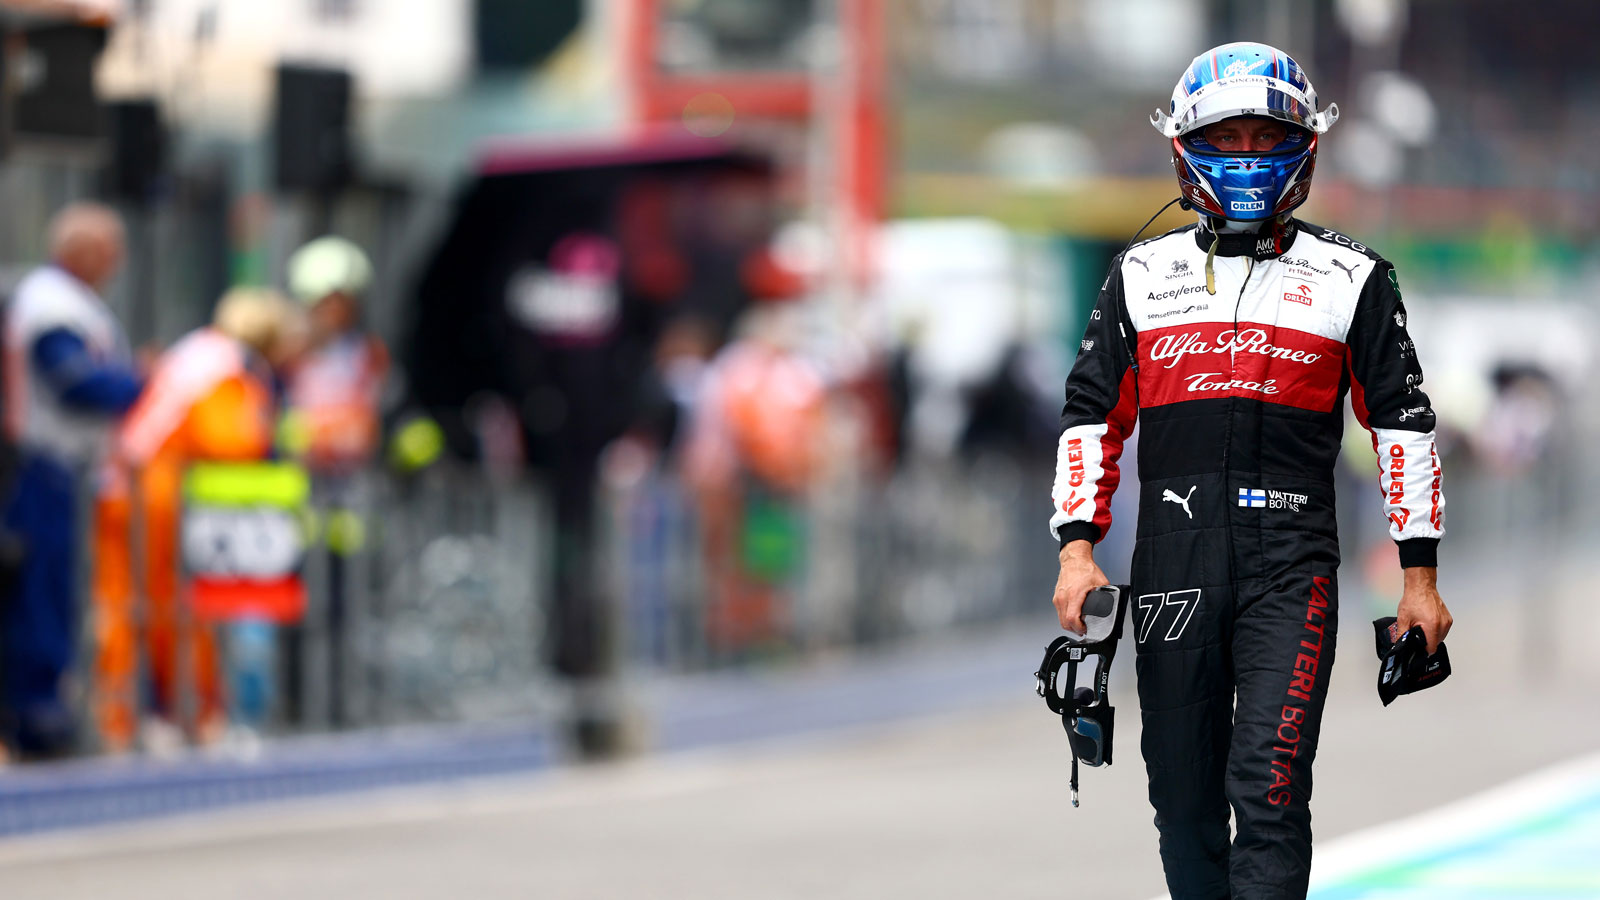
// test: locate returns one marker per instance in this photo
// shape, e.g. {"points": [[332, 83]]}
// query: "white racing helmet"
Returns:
{"points": [[1244, 79]]}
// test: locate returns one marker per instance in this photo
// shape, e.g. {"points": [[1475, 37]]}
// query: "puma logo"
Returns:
{"points": [[1349, 272], [1183, 501], [1140, 262]]}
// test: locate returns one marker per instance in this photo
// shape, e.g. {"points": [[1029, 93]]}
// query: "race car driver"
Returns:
{"points": [[1235, 342]]}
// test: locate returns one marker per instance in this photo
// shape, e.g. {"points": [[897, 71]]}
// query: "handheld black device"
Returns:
{"points": [[1073, 679]]}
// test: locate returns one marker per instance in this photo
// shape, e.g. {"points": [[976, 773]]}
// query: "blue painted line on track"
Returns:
{"points": [[91, 792], [686, 713]]}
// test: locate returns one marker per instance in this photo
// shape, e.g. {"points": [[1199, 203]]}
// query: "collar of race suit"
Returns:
{"points": [[1273, 239]]}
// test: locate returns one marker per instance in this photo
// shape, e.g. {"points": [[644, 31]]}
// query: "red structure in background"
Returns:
{"points": [[855, 109], [660, 95]]}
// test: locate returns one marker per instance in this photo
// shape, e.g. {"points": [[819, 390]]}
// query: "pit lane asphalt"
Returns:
{"points": [[962, 802]]}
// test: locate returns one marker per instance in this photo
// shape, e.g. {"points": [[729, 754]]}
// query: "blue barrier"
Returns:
{"points": [[92, 792], [684, 713]]}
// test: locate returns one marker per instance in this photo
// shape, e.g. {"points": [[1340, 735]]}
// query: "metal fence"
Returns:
{"points": [[426, 600], [934, 546], [424, 603], [430, 595]]}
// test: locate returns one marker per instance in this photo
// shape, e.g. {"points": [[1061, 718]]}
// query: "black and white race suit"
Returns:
{"points": [[1241, 397]]}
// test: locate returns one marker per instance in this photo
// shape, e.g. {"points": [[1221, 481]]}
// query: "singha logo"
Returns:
{"points": [[1180, 267]]}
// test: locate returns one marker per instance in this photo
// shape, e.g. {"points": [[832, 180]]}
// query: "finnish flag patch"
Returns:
{"points": [[1253, 498]]}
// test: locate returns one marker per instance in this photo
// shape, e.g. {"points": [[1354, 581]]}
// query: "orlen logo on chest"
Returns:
{"points": [[1298, 293]]}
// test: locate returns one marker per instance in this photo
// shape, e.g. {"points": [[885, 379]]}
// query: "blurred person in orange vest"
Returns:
{"points": [[754, 450], [335, 389], [762, 401], [210, 398]]}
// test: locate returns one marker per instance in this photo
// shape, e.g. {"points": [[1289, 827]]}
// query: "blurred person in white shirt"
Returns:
{"points": [[69, 378]]}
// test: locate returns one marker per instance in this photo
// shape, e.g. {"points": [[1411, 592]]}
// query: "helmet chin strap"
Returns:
{"points": [[1211, 258]]}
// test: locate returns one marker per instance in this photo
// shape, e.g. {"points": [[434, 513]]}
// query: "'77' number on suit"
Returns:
{"points": [[1154, 606]]}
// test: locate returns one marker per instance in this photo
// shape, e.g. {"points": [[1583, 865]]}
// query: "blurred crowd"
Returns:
{"points": [[136, 618], [99, 429]]}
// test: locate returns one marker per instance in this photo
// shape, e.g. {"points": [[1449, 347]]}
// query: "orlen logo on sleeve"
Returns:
{"points": [[1397, 475], [1075, 476]]}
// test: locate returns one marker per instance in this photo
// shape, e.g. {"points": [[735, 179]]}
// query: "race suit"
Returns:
{"points": [[1235, 608]]}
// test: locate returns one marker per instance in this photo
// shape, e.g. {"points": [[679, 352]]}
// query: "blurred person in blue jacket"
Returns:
{"points": [[69, 377]]}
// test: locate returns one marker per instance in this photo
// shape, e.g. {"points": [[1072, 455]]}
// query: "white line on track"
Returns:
{"points": [[1453, 823]]}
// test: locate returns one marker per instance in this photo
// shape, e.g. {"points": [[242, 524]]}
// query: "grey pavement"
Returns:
{"points": [[968, 803]]}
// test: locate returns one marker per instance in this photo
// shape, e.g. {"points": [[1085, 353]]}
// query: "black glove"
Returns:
{"points": [[1404, 664]]}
